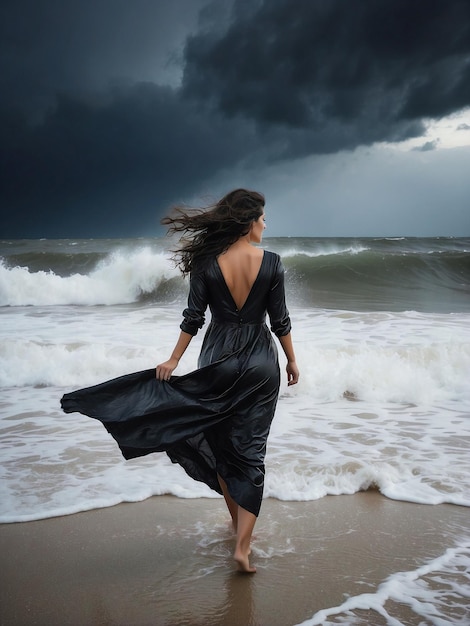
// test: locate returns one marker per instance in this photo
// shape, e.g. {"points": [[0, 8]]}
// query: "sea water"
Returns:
{"points": [[382, 335]]}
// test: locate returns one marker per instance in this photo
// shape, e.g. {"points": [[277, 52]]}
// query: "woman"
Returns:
{"points": [[214, 421]]}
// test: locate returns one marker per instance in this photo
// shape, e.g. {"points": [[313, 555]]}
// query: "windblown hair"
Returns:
{"points": [[209, 231]]}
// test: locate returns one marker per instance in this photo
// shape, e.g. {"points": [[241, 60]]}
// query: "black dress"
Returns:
{"points": [[216, 419]]}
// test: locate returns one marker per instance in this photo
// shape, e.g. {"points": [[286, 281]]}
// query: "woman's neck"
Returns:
{"points": [[243, 242]]}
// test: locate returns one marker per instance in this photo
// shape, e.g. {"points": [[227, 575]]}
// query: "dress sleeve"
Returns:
{"points": [[194, 314], [277, 309]]}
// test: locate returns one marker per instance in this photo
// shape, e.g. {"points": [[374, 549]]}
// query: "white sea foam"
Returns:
{"points": [[376, 357], [437, 593], [402, 427], [324, 250]]}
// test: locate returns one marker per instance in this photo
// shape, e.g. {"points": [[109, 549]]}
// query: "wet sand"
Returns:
{"points": [[168, 561]]}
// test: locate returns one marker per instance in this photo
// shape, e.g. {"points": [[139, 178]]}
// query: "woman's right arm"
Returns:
{"points": [[193, 320], [165, 370]]}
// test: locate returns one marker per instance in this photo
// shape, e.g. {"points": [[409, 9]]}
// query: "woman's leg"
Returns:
{"points": [[230, 502], [246, 523], [243, 523]]}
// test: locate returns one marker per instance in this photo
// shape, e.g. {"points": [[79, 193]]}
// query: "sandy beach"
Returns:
{"points": [[167, 561]]}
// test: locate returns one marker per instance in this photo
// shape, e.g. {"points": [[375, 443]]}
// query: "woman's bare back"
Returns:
{"points": [[240, 266]]}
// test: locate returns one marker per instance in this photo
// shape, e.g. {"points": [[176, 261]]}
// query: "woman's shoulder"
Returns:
{"points": [[272, 264], [204, 265], [272, 258]]}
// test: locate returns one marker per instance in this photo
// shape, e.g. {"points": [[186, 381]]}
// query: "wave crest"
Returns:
{"points": [[121, 278]]}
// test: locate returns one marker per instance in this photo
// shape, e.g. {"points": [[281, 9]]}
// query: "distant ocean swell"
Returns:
{"points": [[363, 275], [371, 280]]}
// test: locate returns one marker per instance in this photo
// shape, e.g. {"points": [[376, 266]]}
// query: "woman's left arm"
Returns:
{"points": [[280, 321], [291, 367]]}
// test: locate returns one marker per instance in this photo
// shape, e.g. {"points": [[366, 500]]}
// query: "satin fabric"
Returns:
{"points": [[216, 419]]}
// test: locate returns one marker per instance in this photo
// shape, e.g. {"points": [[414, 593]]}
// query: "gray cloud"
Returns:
{"points": [[376, 191], [427, 146]]}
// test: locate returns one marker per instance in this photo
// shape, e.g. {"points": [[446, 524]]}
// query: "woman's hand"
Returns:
{"points": [[291, 367], [165, 370], [292, 373]]}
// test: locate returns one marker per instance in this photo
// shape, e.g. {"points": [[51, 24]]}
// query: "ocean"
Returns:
{"points": [[381, 328]]}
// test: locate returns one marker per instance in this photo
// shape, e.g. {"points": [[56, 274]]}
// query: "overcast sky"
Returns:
{"points": [[352, 117]]}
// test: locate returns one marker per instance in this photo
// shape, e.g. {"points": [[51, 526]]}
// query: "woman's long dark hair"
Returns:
{"points": [[210, 231]]}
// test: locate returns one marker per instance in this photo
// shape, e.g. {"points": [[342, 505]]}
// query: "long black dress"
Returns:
{"points": [[216, 419]]}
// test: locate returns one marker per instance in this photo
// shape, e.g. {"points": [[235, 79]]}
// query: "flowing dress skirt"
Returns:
{"points": [[214, 420]]}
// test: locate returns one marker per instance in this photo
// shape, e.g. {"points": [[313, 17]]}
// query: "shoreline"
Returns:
{"points": [[168, 561]]}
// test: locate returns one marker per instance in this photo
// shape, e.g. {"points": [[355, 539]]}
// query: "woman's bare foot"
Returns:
{"points": [[243, 563], [246, 522]]}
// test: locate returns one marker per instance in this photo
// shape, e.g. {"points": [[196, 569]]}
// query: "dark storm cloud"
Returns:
{"points": [[345, 73], [81, 46], [96, 135], [86, 148], [100, 167]]}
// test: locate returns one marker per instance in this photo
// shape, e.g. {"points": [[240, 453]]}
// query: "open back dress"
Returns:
{"points": [[216, 419]]}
